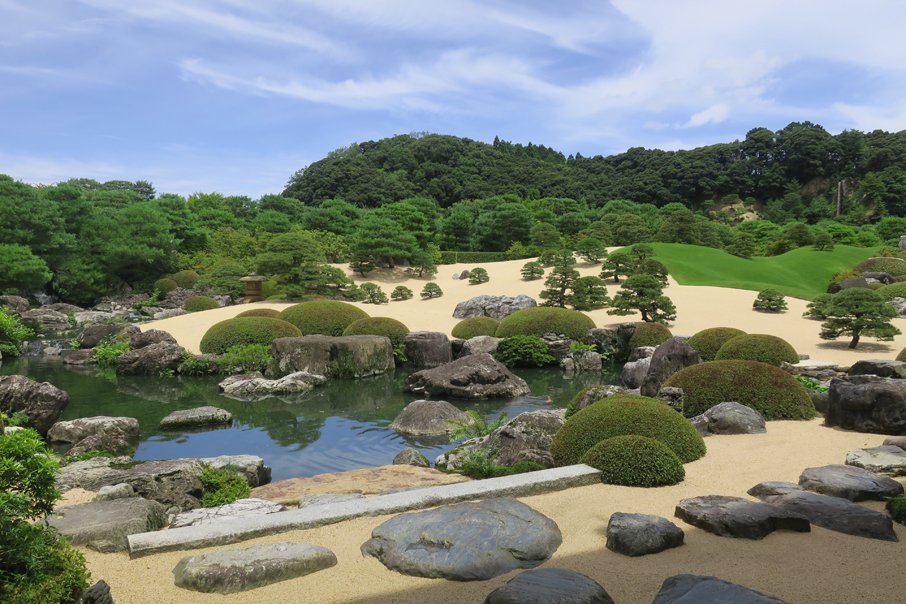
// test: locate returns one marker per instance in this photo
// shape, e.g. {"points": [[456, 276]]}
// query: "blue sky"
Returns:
{"points": [[235, 95]]}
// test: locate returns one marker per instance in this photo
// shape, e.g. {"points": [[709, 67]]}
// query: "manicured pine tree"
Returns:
{"points": [[560, 280], [644, 294], [857, 312]]}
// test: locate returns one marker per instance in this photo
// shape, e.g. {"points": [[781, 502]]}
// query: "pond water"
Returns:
{"points": [[340, 426]]}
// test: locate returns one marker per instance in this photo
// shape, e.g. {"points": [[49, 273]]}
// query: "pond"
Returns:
{"points": [[340, 426]]}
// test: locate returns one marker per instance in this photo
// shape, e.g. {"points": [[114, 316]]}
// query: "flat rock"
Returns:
{"points": [[47, 320], [896, 441], [668, 358], [115, 491], [426, 349], [737, 517], [41, 402], [85, 317], [113, 441], [773, 487], [14, 304], [641, 534], [196, 418], [104, 525], [465, 541], [253, 386], [888, 460], [412, 457], [74, 430], [93, 335], [729, 418], [79, 356], [477, 376], [232, 571], [836, 514], [880, 367], [429, 418], [550, 586], [240, 508], [849, 482], [327, 498], [695, 589], [496, 307]]}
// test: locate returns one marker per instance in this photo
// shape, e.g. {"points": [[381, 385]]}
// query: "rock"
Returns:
{"points": [[150, 360], [836, 514], [880, 367], [412, 457], [480, 344], [477, 376], [99, 593], [879, 277], [550, 586], [74, 430], [104, 525], [167, 313], [899, 305], [695, 589], [819, 400], [79, 357], [429, 418], [232, 571], [115, 491], [93, 335], [896, 441], [557, 346], [888, 460], [612, 341], [327, 498], [849, 482], [337, 357], [672, 397], [729, 418], [85, 317], [240, 508], [855, 282], [152, 336], [737, 517], [641, 352], [668, 358], [633, 374], [48, 321], [641, 534], [428, 349], [773, 487], [111, 441], [496, 307], [581, 361], [199, 417], [42, 402], [465, 541], [867, 404], [251, 466], [597, 393], [15, 304], [465, 274], [63, 307], [253, 386]]}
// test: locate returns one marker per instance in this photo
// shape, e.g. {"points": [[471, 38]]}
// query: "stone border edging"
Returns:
{"points": [[240, 529]]}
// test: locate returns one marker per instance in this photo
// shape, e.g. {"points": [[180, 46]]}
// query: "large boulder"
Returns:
{"points": [[593, 394], [668, 358], [737, 517], [87, 317], [411, 457], [75, 430], [14, 304], [896, 441], [336, 357], [633, 374], [480, 344], [641, 534], [197, 417], [849, 482], [729, 418], [550, 586], [689, 589], [581, 361], [112, 441], [428, 349], [477, 376], [93, 335], [104, 525], [836, 514], [879, 367], [888, 460], [428, 418], [153, 359], [152, 336], [47, 320], [612, 341], [254, 386], [867, 404], [41, 402], [496, 307]]}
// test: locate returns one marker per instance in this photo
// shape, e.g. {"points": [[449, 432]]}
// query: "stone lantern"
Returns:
{"points": [[252, 285]]}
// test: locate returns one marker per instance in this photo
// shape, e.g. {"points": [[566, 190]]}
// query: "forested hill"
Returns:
{"points": [[802, 158]]}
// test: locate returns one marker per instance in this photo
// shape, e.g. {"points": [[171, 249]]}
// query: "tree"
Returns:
{"points": [[424, 261], [532, 271], [654, 268], [431, 290], [589, 293], [400, 292], [22, 270], [317, 279], [591, 250], [502, 224], [362, 264], [373, 293], [743, 245], [544, 235], [679, 227], [823, 242], [560, 281], [858, 312], [478, 276], [644, 294], [618, 263], [641, 252], [380, 237], [769, 300]]}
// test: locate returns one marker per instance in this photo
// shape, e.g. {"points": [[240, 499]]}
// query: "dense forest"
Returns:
{"points": [[405, 200]]}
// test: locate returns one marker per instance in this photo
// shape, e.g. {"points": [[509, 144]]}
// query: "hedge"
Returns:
{"points": [[758, 347], [475, 326], [894, 290], [635, 461], [165, 285], [708, 341], [324, 317], [538, 321], [452, 257], [245, 330]]}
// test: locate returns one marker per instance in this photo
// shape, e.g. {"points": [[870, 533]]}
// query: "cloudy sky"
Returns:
{"points": [[235, 95]]}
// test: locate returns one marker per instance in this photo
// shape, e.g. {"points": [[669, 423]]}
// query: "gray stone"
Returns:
{"points": [[695, 589], [411, 457], [85, 317], [593, 394], [15, 304], [429, 418], [427, 349], [241, 508], [167, 313], [232, 571], [641, 352], [737, 517], [496, 307], [633, 374], [115, 491], [819, 400], [111, 441], [74, 430], [41, 402], [671, 356], [199, 417], [81, 356], [879, 367], [641, 534], [849, 482], [888, 460], [896, 441], [773, 487], [672, 396], [836, 514], [581, 361], [254, 386], [729, 418], [336, 357], [879, 277], [99, 593], [550, 586], [93, 335], [480, 344], [152, 336], [251, 466], [558, 346], [315, 499], [47, 320], [465, 541], [855, 282], [104, 525], [151, 360], [867, 404], [477, 376], [63, 307]]}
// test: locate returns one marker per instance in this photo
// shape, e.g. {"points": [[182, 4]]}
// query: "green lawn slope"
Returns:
{"points": [[800, 273]]}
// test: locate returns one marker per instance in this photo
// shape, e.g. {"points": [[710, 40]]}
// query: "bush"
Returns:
{"points": [[894, 266], [894, 290], [532, 271], [13, 334], [708, 341], [479, 464], [244, 358], [771, 391], [896, 506], [622, 415], [185, 279], [325, 317], [379, 326], [538, 321], [165, 285], [200, 303], [597, 391], [270, 313], [475, 326], [769, 300], [222, 486], [431, 290], [758, 347], [373, 294], [245, 330], [523, 351], [401, 292], [109, 350], [635, 461], [649, 334], [478, 276]]}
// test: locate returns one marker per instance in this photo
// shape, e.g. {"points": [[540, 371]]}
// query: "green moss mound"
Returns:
{"points": [[635, 461], [539, 320], [324, 317], [200, 303], [379, 326], [649, 334], [894, 266], [771, 391], [708, 341], [260, 312], [475, 326], [894, 290], [245, 330], [896, 506], [186, 279], [165, 285], [622, 415], [758, 347], [222, 486]]}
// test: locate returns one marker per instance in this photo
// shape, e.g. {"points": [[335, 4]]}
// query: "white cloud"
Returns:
{"points": [[714, 114]]}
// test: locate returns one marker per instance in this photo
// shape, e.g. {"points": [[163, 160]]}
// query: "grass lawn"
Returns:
{"points": [[800, 273]]}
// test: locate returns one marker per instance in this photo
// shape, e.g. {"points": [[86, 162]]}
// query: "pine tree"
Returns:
{"points": [[644, 294], [560, 280]]}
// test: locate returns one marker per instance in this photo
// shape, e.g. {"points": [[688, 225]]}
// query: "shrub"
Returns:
{"points": [[475, 326], [244, 358], [325, 317], [532, 271], [185, 279], [165, 285], [635, 461], [894, 290], [769, 300], [270, 313], [523, 351], [431, 290], [771, 391], [649, 334], [897, 508], [478, 276], [479, 464], [708, 341], [373, 294], [538, 321], [400, 292], [200, 303], [758, 347], [379, 326], [109, 350], [894, 266], [13, 334], [622, 415], [245, 330], [475, 425], [222, 486]]}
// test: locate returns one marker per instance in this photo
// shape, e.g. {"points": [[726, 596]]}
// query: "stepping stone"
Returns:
{"points": [[640, 534], [836, 514], [695, 589], [240, 508], [104, 525], [465, 541], [896, 441], [236, 570], [849, 482], [888, 460], [772, 487], [199, 417], [550, 586], [327, 498], [737, 517]]}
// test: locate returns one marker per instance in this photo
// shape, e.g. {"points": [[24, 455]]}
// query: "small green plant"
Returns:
{"points": [[523, 351], [74, 343], [109, 351], [400, 293], [811, 384], [769, 300], [86, 455], [222, 486], [12, 334], [479, 464], [431, 290], [373, 293], [581, 347], [532, 271], [475, 426], [896, 506], [478, 276]]}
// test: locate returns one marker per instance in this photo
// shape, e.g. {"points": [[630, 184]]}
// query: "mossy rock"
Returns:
{"points": [[758, 347], [245, 330], [623, 415], [379, 326], [475, 326], [708, 341], [322, 317], [649, 334], [165, 285], [771, 391], [200, 303], [185, 279], [635, 461], [270, 313], [894, 266], [539, 320]]}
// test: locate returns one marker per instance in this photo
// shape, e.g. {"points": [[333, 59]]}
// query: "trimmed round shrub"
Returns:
{"points": [[270, 313], [622, 415], [475, 326], [378, 326], [199, 303], [758, 347], [894, 266], [185, 279], [708, 341], [894, 290], [896, 506], [635, 461], [165, 285], [771, 391], [324, 317], [649, 334], [245, 330], [539, 320]]}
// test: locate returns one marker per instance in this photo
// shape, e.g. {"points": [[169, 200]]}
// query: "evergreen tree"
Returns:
{"points": [[589, 293], [478, 276], [431, 290], [591, 250], [857, 312], [560, 280], [644, 294], [532, 271], [618, 263]]}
